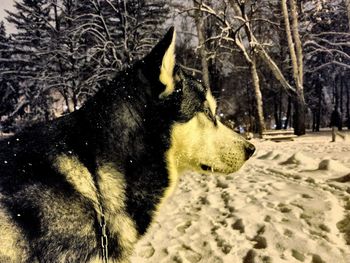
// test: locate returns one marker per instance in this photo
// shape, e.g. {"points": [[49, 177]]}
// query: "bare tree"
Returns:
{"points": [[326, 47], [201, 42], [238, 27], [237, 30], [347, 3], [296, 55], [251, 57]]}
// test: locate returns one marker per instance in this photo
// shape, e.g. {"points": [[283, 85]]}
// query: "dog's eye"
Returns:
{"points": [[210, 115], [207, 111]]}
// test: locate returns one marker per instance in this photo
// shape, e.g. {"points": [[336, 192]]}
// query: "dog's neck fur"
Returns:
{"points": [[126, 143]]}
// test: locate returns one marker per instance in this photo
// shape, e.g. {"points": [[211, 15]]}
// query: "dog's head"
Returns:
{"points": [[198, 140]]}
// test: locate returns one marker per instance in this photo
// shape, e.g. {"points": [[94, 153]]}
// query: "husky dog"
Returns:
{"points": [[85, 187]]}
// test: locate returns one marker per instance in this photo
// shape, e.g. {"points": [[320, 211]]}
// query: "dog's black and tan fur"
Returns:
{"points": [[120, 155]]}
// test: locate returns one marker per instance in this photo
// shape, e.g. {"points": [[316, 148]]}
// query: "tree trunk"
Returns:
{"points": [[251, 60], [275, 104], [335, 90], [291, 44], [347, 2], [258, 95], [289, 113], [341, 93], [201, 42], [250, 103], [297, 42], [319, 108], [299, 116], [348, 104], [67, 100], [295, 51], [280, 103], [314, 117], [71, 106], [278, 110]]}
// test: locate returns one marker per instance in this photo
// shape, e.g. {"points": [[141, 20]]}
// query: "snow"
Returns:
{"points": [[282, 206]]}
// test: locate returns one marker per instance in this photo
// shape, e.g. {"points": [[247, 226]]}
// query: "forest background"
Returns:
{"points": [[272, 64]]}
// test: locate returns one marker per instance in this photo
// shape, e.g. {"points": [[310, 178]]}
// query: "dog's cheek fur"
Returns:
{"points": [[199, 141]]}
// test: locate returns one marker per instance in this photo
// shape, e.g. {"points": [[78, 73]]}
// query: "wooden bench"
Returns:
{"points": [[5, 135], [279, 135]]}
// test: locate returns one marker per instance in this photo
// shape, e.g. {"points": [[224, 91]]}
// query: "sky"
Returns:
{"points": [[8, 5]]}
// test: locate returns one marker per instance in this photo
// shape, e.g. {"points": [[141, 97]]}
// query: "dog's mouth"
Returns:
{"points": [[207, 168]]}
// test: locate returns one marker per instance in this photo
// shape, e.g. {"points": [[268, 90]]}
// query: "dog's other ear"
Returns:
{"points": [[160, 63]]}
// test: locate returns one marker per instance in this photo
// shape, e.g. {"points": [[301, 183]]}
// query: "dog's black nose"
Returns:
{"points": [[249, 150]]}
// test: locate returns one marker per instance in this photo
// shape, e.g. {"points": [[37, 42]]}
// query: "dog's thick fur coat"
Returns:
{"points": [[118, 156]]}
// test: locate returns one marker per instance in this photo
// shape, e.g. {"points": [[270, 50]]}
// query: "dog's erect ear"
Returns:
{"points": [[168, 64], [160, 62]]}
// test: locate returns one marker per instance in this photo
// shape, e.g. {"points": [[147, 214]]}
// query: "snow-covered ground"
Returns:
{"points": [[284, 205]]}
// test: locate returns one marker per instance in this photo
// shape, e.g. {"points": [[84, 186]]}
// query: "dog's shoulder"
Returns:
{"points": [[36, 195], [27, 157]]}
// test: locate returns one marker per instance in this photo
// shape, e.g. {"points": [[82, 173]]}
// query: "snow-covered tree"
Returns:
{"points": [[327, 37], [7, 91], [64, 48], [119, 32]]}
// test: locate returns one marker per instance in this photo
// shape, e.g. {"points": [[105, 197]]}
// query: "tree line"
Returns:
{"points": [[63, 49], [271, 63], [285, 62]]}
